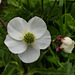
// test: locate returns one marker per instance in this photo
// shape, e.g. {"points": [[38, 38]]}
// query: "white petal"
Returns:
{"points": [[67, 48], [17, 26], [30, 55], [15, 46], [37, 26], [0, 1], [67, 41], [44, 41]]}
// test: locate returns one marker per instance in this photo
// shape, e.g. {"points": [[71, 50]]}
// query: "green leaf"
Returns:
{"points": [[14, 3], [50, 71], [68, 68], [52, 59], [73, 10], [1, 63], [54, 32], [8, 71], [70, 23], [68, 55], [60, 17]]}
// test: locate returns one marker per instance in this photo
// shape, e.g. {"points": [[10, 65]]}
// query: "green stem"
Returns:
{"points": [[60, 64], [51, 9], [65, 20], [51, 51], [20, 4], [60, 17], [54, 56], [28, 3], [42, 8]]}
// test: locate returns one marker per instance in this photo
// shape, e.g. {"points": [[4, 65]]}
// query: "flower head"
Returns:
{"points": [[67, 44], [26, 39]]}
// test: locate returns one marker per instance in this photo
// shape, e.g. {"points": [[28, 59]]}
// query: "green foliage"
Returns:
{"points": [[73, 10], [60, 19]]}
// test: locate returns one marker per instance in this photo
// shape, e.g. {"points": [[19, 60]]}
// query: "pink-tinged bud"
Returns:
{"points": [[67, 44], [58, 49], [59, 37]]}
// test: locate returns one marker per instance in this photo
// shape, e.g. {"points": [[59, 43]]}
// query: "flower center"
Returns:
{"points": [[29, 38]]}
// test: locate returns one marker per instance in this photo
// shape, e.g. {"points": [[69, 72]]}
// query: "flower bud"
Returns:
{"points": [[67, 41], [67, 44], [58, 49], [59, 37]]}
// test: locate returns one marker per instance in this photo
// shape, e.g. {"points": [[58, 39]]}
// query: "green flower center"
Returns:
{"points": [[29, 38]]}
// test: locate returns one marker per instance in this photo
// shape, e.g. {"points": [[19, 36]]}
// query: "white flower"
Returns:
{"points": [[26, 39], [67, 44], [0, 1]]}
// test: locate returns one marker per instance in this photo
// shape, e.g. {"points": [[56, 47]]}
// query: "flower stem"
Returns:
{"points": [[3, 23], [42, 7], [28, 4], [52, 7], [50, 11], [51, 51], [60, 17], [53, 54], [65, 20]]}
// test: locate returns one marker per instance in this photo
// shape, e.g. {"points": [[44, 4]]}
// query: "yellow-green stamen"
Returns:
{"points": [[29, 38]]}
